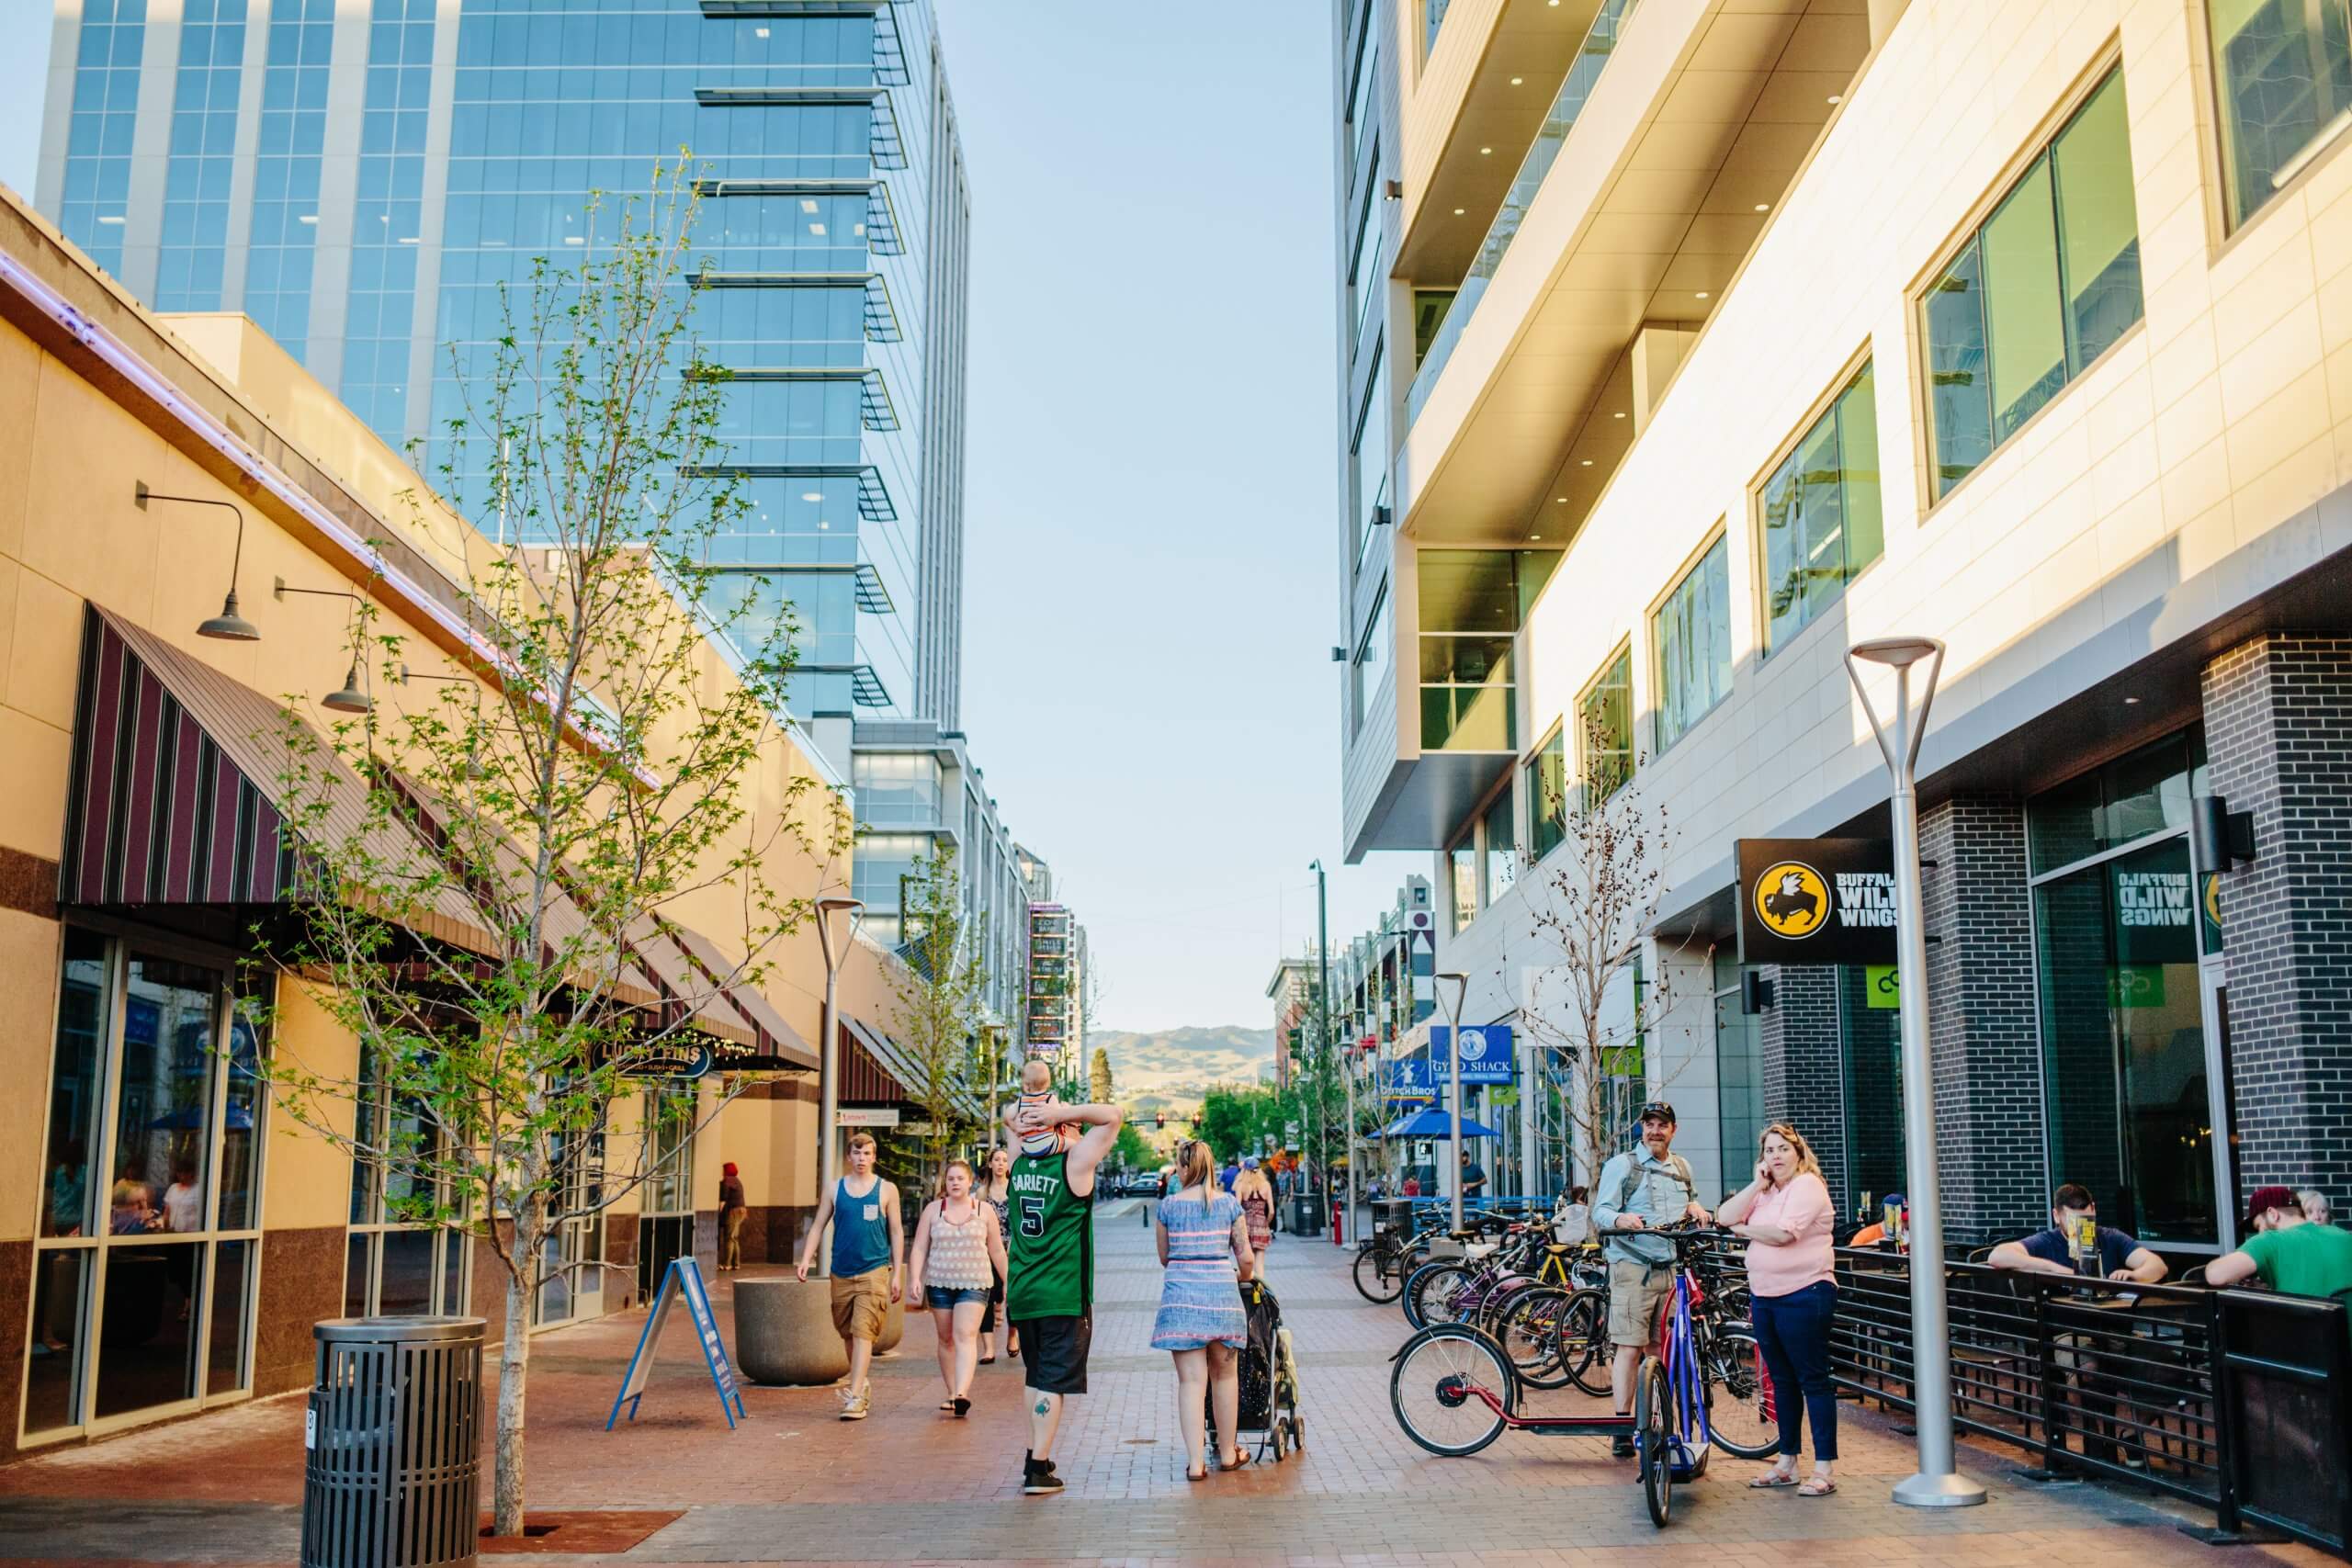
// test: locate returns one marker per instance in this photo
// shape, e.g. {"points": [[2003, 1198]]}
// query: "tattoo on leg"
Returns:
{"points": [[1044, 1406]]}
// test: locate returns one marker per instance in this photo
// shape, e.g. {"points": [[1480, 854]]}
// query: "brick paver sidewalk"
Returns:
{"points": [[794, 1485]]}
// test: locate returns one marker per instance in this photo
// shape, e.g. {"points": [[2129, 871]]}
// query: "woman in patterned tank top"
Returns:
{"points": [[958, 1254]]}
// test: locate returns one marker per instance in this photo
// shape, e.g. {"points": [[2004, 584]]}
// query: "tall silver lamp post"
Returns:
{"points": [[828, 1078], [1454, 1087], [1936, 1485]]}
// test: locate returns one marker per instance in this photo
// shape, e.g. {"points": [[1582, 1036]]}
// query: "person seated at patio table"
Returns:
{"points": [[1874, 1233], [2287, 1249], [2114, 1255]]}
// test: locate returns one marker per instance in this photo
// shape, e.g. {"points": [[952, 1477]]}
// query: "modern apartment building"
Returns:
{"points": [[1293, 991], [1055, 1023], [362, 176], [1689, 343], [917, 794]]}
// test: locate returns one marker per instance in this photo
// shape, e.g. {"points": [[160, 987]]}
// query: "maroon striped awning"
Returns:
{"points": [[176, 790]]}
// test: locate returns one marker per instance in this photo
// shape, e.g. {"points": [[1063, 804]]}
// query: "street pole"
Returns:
{"points": [[1531, 1163], [1453, 1083], [829, 1079], [1323, 1029], [1936, 1485]]}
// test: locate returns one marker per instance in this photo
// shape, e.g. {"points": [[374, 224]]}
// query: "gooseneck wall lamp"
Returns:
{"points": [[228, 626], [349, 697]]}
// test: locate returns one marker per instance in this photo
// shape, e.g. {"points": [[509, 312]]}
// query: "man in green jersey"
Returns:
{"points": [[1049, 1294], [2287, 1248]]}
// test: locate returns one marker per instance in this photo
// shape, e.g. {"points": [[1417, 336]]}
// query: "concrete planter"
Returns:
{"points": [[783, 1332]]}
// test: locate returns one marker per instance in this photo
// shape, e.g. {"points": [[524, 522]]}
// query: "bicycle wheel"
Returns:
{"points": [[1453, 1390], [1430, 1295], [1584, 1350], [1377, 1279], [1652, 1430], [1740, 1416], [1528, 1328]]}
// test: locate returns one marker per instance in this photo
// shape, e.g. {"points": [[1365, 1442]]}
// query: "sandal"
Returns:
{"points": [[1239, 1461], [1773, 1478], [1816, 1486], [1200, 1474]]}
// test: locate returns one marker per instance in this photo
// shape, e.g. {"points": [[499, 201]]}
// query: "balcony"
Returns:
{"points": [[1669, 144]]}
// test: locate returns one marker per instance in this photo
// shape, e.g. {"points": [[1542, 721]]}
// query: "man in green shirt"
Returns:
{"points": [[2288, 1250], [1050, 1291]]}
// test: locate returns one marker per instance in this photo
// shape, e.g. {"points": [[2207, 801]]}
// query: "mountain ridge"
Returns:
{"points": [[1174, 1068]]}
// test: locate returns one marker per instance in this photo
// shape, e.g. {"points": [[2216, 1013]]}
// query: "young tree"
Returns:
{"points": [[1099, 1076], [1592, 904], [941, 992], [492, 870]]}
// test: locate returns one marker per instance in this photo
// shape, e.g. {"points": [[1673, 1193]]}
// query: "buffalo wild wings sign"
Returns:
{"points": [[1815, 901]]}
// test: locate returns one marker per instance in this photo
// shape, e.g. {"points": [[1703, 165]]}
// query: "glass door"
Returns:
{"points": [[151, 1209], [665, 1229], [399, 1257]]}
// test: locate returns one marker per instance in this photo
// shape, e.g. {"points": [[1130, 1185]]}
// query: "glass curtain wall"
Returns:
{"points": [[97, 202], [2131, 1110], [204, 142], [2049, 282], [397, 1257], [151, 1197], [1473, 603], [1546, 773], [2284, 71], [283, 236]]}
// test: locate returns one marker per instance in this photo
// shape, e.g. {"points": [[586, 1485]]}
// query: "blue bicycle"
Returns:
{"points": [[1455, 1391]]}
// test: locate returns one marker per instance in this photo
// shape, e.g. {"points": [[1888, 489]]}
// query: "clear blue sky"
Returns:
{"points": [[1151, 490]]}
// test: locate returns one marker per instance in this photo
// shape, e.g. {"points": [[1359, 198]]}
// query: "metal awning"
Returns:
{"points": [[181, 785]]}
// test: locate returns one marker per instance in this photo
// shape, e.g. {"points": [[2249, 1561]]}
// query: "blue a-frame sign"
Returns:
{"points": [[683, 1280]]}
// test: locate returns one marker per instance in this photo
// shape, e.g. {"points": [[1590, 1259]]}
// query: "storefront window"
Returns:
{"points": [[1871, 1042], [1739, 1070], [2118, 911], [400, 1256], [150, 1213]]}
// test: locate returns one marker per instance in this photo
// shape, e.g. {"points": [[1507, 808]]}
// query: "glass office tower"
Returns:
{"points": [[360, 175]]}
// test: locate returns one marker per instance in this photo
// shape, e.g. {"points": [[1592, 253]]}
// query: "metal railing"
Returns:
{"points": [[1592, 57]]}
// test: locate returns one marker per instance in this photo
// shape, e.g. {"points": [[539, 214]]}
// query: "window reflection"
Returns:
{"points": [[2285, 70]]}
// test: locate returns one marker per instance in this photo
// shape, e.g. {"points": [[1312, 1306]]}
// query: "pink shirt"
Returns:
{"points": [[1803, 1209]]}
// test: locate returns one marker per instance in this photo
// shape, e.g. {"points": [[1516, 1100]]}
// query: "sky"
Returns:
{"points": [[1151, 486]]}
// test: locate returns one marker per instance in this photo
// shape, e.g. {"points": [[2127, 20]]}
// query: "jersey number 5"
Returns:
{"points": [[1033, 1216]]}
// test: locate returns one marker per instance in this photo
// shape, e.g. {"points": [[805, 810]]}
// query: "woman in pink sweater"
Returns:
{"points": [[1786, 1216]]}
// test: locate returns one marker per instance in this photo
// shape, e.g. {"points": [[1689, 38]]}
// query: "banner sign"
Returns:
{"points": [[680, 1056], [1815, 900], [1486, 1054], [1410, 1082], [682, 1280], [846, 1116], [1883, 987]]}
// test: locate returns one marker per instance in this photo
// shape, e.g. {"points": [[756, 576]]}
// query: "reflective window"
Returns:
{"points": [[2041, 289], [895, 788], [2121, 803], [284, 232], [1501, 845], [1818, 513], [401, 1248], [883, 862], [1432, 18], [1375, 653], [1371, 454], [1546, 774], [388, 224], [1605, 728], [143, 1281], [96, 203], [1461, 871], [1739, 1065], [1472, 603], [2285, 73], [204, 139], [1690, 640]]}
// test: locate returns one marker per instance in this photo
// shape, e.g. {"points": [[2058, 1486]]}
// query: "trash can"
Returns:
{"points": [[392, 1442], [1305, 1216]]}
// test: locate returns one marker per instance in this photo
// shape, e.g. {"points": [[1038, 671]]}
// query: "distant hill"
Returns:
{"points": [[1172, 1069]]}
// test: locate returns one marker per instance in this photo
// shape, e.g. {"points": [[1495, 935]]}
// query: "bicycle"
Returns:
{"points": [[1455, 1390]]}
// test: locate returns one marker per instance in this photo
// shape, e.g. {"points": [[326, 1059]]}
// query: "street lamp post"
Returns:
{"points": [[1936, 1485], [1454, 1086], [1323, 1027], [828, 1078]]}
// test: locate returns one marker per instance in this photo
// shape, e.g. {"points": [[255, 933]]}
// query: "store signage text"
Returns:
{"points": [[1815, 900]]}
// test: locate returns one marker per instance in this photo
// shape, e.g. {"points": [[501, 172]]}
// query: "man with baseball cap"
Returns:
{"points": [[2289, 1252], [1645, 1187]]}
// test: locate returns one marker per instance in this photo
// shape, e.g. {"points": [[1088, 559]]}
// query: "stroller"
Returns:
{"points": [[1269, 1381]]}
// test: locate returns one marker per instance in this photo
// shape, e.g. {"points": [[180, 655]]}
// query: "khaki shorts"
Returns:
{"points": [[860, 1303], [1635, 1293]]}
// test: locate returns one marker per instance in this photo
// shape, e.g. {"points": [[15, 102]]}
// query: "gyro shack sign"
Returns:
{"points": [[1815, 900]]}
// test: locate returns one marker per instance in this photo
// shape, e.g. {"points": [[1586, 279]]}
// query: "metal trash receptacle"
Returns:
{"points": [[1305, 1216], [392, 1443]]}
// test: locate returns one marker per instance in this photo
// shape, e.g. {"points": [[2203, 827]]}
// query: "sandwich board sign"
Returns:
{"points": [[681, 1280]]}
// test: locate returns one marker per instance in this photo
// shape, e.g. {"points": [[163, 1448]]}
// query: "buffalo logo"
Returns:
{"points": [[1791, 899]]}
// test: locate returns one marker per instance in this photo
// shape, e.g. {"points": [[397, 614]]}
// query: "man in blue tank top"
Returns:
{"points": [[868, 1266]]}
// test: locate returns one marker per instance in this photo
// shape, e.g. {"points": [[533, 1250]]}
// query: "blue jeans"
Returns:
{"points": [[1794, 1332]]}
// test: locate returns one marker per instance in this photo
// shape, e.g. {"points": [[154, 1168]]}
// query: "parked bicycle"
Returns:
{"points": [[1455, 1390]]}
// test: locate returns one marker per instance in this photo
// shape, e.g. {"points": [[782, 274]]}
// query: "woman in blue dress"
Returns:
{"points": [[1204, 1245]]}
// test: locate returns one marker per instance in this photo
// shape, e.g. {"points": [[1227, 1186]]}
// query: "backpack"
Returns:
{"points": [[1637, 1177]]}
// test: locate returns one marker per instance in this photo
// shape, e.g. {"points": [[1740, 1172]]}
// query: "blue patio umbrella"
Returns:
{"points": [[1434, 1123]]}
